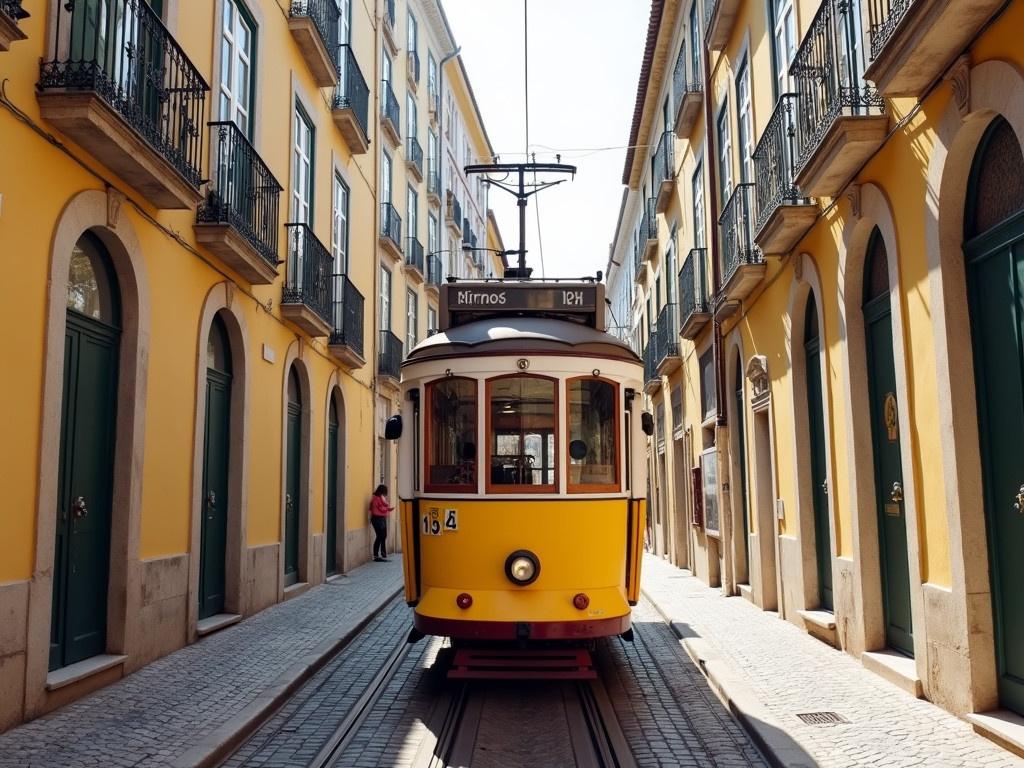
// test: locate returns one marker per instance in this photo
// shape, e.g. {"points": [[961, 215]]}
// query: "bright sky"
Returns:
{"points": [[584, 61]]}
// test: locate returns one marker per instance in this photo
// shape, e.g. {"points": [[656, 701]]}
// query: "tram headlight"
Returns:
{"points": [[522, 567]]}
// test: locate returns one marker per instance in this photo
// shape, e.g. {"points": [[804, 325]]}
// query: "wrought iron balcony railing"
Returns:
{"points": [[435, 269], [323, 14], [243, 192], [649, 221], [665, 159], [391, 224], [736, 223], [466, 231], [352, 91], [667, 333], [693, 285], [454, 212], [684, 79], [414, 153], [638, 255], [389, 108], [651, 375], [346, 314], [308, 280], [414, 253], [828, 77], [884, 16], [773, 162], [135, 65], [389, 360]]}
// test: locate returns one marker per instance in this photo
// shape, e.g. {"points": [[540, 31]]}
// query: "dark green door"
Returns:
{"points": [[84, 502], [214, 520], [892, 519], [995, 279], [291, 495], [741, 448], [819, 477], [331, 535]]}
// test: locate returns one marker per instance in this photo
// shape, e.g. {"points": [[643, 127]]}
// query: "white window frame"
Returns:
{"points": [[302, 167], [412, 213], [385, 299], [784, 42], [724, 135], [745, 120], [412, 311], [699, 227], [239, 60], [339, 225]]}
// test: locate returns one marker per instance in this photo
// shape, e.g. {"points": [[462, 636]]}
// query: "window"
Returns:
{"points": [[385, 299], [411, 117], [237, 40], [302, 170], [385, 68], [344, 22], [432, 80], [783, 43], [695, 25], [433, 233], [708, 394], [412, 310], [339, 226], [412, 34], [412, 205], [677, 412], [593, 435], [745, 122], [671, 268], [431, 321], [385, 177], [451, 435], [724, 153], [432, 153], [698, 206], [523, 433]]}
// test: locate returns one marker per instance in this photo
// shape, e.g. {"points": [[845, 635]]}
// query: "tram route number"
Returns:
{"points": [[434, 521]]}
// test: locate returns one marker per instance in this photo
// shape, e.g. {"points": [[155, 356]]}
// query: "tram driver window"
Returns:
{"points": [[451, 441], [522, 432], [593, 455]]}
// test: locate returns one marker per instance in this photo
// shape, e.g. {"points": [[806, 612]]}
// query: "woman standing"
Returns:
{"points": [[379, 511]]}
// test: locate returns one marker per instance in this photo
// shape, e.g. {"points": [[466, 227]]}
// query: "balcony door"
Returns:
{"points": [[236, 65]]}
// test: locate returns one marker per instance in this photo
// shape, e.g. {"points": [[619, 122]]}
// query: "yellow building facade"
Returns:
{"points": [[818, 253], [212, 294]]}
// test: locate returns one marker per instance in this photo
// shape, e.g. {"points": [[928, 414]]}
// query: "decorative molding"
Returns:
{"points": [[229, 293], [114, 201], [757, 373], [959, 77], [853, 195], [798, 266]]}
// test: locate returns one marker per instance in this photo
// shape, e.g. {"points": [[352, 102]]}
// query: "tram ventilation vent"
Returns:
{"points": [[822, 718]]}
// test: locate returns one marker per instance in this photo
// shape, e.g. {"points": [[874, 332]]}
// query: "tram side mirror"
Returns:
{"points": [[647, 423], [577, 450], [393, 427]]}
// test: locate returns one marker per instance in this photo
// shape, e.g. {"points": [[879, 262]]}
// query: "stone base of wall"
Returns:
{"points": [[164, 611], [13, 634], [357, 547], [260, 590]]}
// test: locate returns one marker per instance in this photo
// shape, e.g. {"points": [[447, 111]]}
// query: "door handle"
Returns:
{"points": [[824, 486], [897, 492], [288, 502], [1019, 506], [78, 508], [211, 502]]}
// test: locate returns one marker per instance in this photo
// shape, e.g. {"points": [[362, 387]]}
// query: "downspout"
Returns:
{"points": [[375, 187]]}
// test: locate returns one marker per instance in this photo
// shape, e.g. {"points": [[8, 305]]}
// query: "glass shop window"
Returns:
{"points": [[593, 435], [523, 433], [451, 435]]}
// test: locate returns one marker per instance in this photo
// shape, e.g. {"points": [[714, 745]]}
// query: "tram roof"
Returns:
{"points": [[515, 335]]}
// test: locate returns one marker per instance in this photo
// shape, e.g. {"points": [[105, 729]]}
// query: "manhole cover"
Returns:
{"points": [[822, 718]]}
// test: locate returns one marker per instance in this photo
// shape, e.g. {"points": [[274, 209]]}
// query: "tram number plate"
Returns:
{"points": [[434, 522]]}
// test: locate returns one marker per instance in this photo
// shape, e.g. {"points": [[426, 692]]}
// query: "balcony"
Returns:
{"points": [[720, 15], [687, 94], [314, 25], [390, 32], [391, 231], [346, 341], [639, 263], [351, 106], [238, 220], [435, 272], [390, 114], [389, 359], [665, 171], [649, 230], [453, 214], [652, 379], [413, 266], [414, 158], [912, 42], [783, 214], [306, 300], [667, 333], [694, 310], [11, 13], [840, 120], [742, 263], [433, 183], [126, 92], [413, 63]]}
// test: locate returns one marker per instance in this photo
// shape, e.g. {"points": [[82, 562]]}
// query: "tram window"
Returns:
{"points": [[451, 435], [593, 438], [522, 436]]}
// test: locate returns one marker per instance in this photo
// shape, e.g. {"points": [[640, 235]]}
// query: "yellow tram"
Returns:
{"points": [[522, 471]]}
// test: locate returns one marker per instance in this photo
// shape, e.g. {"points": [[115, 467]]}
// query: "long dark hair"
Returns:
{"points": [[382, 490]]}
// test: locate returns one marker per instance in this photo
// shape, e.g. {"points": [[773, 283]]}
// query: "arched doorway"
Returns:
{"points": [[216, 461], [819, 475], [335, 473], [994, 250], [78, 628], [884, 409], [740, 438], [293, 481]]}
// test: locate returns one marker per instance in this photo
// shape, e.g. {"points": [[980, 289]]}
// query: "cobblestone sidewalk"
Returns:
{"points": [[179, 706], [789, 672]]}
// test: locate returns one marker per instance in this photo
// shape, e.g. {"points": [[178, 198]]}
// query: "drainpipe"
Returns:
{"points": [[441, 150], [378, 16]]}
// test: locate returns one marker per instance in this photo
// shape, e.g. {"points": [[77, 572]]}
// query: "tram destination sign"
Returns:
{"points": [[581, 301]]}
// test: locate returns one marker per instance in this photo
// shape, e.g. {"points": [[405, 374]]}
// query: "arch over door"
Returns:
{"points": [[994, 249], [78, 627], [819, 475]]}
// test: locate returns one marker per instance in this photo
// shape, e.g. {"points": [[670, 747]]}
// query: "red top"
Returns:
{"points": [[379, 506]]}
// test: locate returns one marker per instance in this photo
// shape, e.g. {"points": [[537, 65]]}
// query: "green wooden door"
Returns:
{"points": [[82, 547], [741, 448], [331, 535], [819, 476], [292, 484], [892, 519], [214, 525]]}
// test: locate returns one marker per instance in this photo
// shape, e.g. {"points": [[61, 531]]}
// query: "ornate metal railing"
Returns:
{"points": [[346, 314], [433, 178], [828, 77], [135, 65], [773, 162], [389, 12], [467, 233], [389, 108], [684, 80], [649, 221], [693, 285], [454, 209], [414, 153], [665, 158], [352, 91], [737, 233], [309, 271], [323, 14], [390, 357], [710, 9], [414, 253], [883, 18], [391, 224], [667, 333], [12, 9], [435, 269], [650, 356], [638, 254], [414, 66], [243, 192]]}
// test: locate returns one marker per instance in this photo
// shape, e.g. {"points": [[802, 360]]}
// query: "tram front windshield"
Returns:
{"points": [[522, 439]]}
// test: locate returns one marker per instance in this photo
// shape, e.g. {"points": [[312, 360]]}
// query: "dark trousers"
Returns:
{"points": [[380, 528]]}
